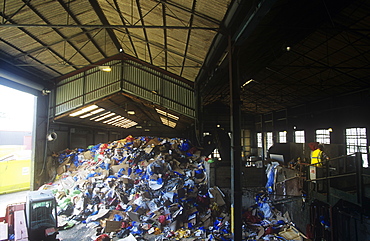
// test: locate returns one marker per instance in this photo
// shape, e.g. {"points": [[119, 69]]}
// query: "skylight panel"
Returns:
{"points": [[167, 118], [108, 117], [97, 111], [98, 116], [168, 122], [86, 115], [84, 110], [105, 117]]}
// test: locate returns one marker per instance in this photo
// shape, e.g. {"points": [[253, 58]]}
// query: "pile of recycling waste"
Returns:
{"points": [[148, 188]]}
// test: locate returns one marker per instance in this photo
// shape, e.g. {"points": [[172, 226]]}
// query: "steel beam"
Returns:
{"points": [[165, 34], [38, 41], [235, 119], [56, 30], [83, 28], [105, 21], [126, 29], [144, 30], [15, 25], [189, 34]]}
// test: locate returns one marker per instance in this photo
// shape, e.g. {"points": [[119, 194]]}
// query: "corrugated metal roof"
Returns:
{"points": [[174, 42], [329, 42]]}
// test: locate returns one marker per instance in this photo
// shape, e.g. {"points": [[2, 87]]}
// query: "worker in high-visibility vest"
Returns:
{"points": [[318, 160], [318, 156]]}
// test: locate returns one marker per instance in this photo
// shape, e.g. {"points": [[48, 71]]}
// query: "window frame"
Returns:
{"points": [[299, 137], [324, 137], [284, 137], [358, 143]]}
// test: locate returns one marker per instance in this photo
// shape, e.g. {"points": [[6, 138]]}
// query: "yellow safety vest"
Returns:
{"points": [[316, 158]]}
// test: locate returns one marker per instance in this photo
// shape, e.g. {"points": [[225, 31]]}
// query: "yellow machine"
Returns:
{"points": [[15, 170]]}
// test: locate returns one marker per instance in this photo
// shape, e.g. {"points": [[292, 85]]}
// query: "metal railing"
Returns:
{"points": [[345, 173]]}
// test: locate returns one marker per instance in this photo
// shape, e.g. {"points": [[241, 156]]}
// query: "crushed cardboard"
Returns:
{"points": [[152, 186]]}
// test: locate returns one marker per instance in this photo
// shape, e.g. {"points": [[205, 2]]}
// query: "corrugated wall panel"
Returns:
{"points": [[172, 93], [138, 80], [87, 87], [69, 96], [99, 84]]}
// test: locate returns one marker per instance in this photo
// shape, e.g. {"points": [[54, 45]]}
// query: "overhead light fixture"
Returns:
{"points": [[45, 92], [147, 130], [105, 68], [288, 48], [330, 129], [248, 82], [139, 127], [131, 112]]}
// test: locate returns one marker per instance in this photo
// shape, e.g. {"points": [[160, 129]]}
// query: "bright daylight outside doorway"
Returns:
{"points": [[16, 124]]}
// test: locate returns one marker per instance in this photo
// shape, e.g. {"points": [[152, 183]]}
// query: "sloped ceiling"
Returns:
{"points": [[301, 52], [328, 56], [58, 37]]}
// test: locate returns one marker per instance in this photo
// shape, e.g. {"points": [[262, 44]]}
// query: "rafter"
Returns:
{"points": [[159, 45], [51, 44], [114, 26], [29, 55], [57, 31], [105, 21], [4, 21], [164, 34], [127, 30], [38, 41], [185, 9], [144, 30], [83, 28], [188, 37]]}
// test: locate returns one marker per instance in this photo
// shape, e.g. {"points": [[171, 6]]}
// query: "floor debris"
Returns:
{"points": [[150, 188]]}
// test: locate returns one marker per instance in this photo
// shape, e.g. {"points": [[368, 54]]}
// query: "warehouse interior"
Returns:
{"points": [[241, 80]]}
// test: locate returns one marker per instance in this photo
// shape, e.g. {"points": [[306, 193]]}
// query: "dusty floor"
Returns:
{"points": [[11, 198], [78, 232]]}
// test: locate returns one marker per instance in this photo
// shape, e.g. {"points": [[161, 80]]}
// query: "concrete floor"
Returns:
{"points": [[79, 232], [65, 235], [11, 198]]}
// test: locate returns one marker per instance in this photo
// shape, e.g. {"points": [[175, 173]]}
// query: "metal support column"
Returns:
{"points": [[39, 142], [235, 119], [359, 181]]}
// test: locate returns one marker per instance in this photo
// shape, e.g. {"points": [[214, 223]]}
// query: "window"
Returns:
{"points": [[282, 136], [323, 136], [246, 142], [356, 141], [269, 141], [259, 139], [299, 137]]}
